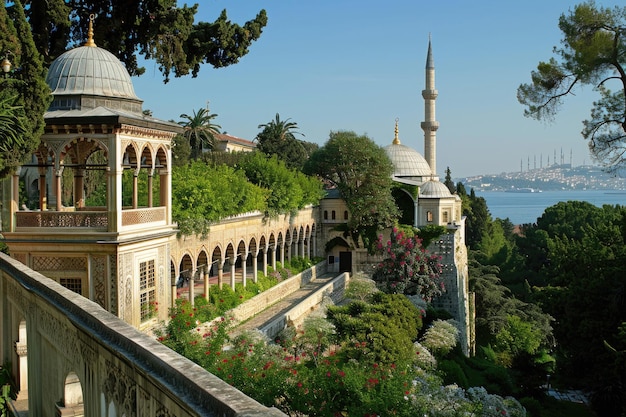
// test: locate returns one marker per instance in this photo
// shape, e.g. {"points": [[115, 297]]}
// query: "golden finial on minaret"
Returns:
{"points": [[90, 41], [396, 140]]}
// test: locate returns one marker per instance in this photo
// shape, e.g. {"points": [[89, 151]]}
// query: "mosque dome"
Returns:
{"points": [[89, 70], [434, 189], [407, 161]]}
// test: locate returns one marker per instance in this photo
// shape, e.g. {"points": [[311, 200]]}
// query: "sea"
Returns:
{"points": [[521, 208]]}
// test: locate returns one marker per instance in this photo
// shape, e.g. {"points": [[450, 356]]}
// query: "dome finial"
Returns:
{"points": [[396, 140], [90, 41]]}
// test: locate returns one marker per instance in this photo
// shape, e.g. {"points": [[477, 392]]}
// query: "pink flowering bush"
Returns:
{"points": [[408, 268]]}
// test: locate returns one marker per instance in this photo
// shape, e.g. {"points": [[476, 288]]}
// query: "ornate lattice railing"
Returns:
{"points": [[82, 219], [143, 215]]}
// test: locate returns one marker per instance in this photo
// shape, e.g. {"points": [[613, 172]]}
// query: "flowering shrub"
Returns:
{"points": [[408, 268], [441, 337]]}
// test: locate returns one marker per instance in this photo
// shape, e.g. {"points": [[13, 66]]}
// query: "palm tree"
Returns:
{"points": [[200, 131], [280, 129], [12, 128]]}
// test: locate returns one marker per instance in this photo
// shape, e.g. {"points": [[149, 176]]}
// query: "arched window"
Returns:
{"points": [[445, 217], [345, 215], [333, 214], [325, 214], [429, 216]]}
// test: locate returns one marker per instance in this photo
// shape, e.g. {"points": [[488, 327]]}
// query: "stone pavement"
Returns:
{"points": [[281, 307]]}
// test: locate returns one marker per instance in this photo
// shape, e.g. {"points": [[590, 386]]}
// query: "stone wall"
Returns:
{"points": [[121, 370], [283, 289]]}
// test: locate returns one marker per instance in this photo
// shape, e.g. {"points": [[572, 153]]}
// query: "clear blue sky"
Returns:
{"points": [[333, 65]]}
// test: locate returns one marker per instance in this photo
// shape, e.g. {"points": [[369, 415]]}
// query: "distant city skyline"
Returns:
{"points": [[330, 66]]}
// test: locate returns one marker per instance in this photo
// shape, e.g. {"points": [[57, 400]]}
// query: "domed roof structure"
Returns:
{"points": [[407, 161], [87, 78], [434, 189], [90, 70]]}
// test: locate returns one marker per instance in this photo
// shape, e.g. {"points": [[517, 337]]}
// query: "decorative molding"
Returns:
{"points": [[98, 277], [120, 388], [59, 263], [113, 270], [61, 336]]}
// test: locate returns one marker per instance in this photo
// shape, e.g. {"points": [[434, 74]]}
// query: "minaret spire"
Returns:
{"points": [[430, 124]]}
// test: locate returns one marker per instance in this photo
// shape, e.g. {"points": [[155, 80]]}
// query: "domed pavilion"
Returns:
{"points": [[113, 249]]}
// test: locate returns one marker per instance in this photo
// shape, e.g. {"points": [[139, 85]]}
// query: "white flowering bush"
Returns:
{"points": [[441, 337], [424, 359], [433, 400]]}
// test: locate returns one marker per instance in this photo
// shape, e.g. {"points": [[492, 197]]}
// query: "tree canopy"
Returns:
{"points": [[278, 138], [200, 131], [24, 93], [155, 29], [593, 53], [361, 171]]}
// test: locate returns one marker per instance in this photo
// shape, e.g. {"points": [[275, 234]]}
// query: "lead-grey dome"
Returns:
{"points": [[89, 70], [434, 189], [407, 161]]}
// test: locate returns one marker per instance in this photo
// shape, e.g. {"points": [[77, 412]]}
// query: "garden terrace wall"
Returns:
{"points": [[283, 289]]}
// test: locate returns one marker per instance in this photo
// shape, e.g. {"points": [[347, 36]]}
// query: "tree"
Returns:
{"points": [[574, 256], [361, 171], [24, 92], [278, 138], [155, 29], [200, 131], [593, 52], [288, 190], [448, 181], [407, 268], [202, 195]]}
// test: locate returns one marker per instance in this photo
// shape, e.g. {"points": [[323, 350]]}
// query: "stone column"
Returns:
{"points": [[244, 259], [150, 185], [43, 199], [192, 285], [207, 284], [255, 263], [264, 250], [135, 185], [220, 274], [58, 189], [232, 262], [79, 188]]}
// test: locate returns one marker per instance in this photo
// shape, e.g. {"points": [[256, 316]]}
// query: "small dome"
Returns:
{"points": [[434, 189], [89, 70], [407, 161]]}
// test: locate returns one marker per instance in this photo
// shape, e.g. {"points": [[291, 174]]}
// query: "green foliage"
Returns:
{"points": [[591, 53], [453, 373], [518, 337], [381, 332], [158, 30], [573, 257], [199, 131], [278, 138], [362, 173], [360, 289], [478, 219], [202, 195], [24, 93], [407, 268], [288, 190]]}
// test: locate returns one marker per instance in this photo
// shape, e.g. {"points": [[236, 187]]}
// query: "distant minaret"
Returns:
{"points": [[430, 124]]}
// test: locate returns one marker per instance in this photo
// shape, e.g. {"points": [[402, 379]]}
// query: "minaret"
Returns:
{"points": [[430, 124]]}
